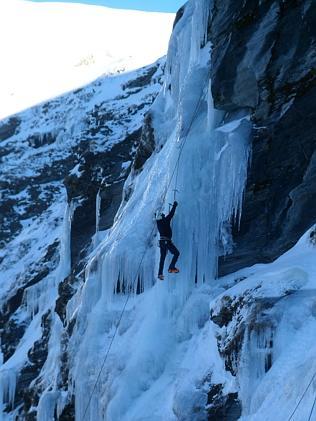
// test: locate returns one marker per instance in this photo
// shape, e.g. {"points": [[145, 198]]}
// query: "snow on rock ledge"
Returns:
{"points": [[264, 327]]}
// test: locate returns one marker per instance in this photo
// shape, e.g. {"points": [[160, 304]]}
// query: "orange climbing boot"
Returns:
{"points": [[161, 277], [173, 270]]}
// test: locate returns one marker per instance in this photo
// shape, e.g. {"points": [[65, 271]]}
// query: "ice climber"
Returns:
{"points": [[165, 243]]}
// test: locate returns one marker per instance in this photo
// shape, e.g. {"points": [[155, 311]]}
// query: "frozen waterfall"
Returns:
{"points": [[212, 156]]}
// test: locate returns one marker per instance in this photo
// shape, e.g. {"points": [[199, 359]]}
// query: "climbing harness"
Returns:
{"points": [[162, 238], [175, 172]]}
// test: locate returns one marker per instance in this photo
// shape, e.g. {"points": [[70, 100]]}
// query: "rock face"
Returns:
{"points": [[265, 63], [222, 407]]}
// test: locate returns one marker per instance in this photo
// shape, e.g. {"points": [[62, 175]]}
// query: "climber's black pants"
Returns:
{"points": [[165, 246]]}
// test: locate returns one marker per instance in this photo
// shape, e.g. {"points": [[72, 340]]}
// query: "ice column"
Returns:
{"points": [[7, 387], [97, 218], [65, 243]]}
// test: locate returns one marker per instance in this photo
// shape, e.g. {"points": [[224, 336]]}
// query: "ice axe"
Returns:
{"points": [[175, 191]]}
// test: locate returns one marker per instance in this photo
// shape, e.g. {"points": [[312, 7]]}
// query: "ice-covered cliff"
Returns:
{"points": [[98, 337]]}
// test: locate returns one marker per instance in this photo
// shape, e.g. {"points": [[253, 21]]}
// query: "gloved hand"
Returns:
{"points": [[175, 203]]}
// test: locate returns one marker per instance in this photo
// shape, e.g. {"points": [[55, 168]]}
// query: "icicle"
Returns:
{"points": [[65, 243], [7, 386], [37, 298], [47, 405], [231, 164], [97, 218], [52, 397], [51, 402]]}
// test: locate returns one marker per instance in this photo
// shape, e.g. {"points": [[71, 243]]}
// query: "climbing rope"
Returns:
{"points": [[312, 410], [176, 167], [113, 337], [175, 171], [302, 397], [310, 415]]}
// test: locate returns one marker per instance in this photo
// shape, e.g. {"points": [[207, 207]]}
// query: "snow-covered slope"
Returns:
{"points": [[52, 48], [85, 139]]}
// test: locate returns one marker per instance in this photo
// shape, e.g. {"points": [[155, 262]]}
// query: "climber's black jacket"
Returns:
{"points": [[163, 224]]}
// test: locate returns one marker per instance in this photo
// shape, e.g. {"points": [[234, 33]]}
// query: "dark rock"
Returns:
{"points": [[8, 127], [68, 413], [64, 379], [247, 317], [222, 407], [65, 292], [12, 331], [67, 288], [312, 237], [275, 79], [102, 171], [35, 205], [230, 316], [38, 140], [179, 15], [28, 395], [9, 220], [147, 143], [142, 80], [11, 334], [227, 311]]}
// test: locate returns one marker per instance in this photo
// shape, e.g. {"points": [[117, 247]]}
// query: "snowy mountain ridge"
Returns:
{"points": [[53, 48]]}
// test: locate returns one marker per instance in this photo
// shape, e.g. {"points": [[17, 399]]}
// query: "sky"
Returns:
{"points": [[150, 5]]}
